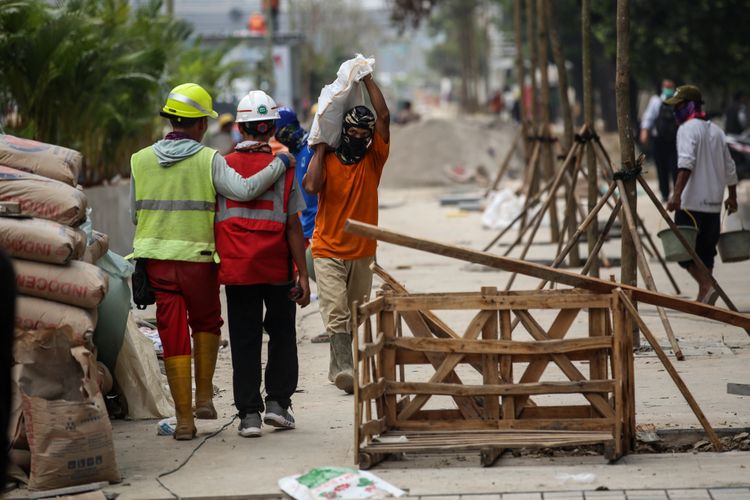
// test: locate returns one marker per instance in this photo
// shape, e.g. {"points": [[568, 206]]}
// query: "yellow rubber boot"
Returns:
{"points": [[205, 350], [178, 375]]}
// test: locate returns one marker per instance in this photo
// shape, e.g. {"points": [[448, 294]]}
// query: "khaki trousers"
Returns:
{"points": [[341, 282]]}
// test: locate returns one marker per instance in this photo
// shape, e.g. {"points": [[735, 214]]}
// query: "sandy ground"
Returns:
{"points": [[232, 466]]}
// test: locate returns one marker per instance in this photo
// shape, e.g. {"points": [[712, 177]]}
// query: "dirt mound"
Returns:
{"points": [[421, 151]]}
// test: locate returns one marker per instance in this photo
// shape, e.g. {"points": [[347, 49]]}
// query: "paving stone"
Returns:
{"points": [[605, 495], [441, 497], [563, 495], [481, 497], [691, 494], [646, 495], [522, 496], [730, 493]]}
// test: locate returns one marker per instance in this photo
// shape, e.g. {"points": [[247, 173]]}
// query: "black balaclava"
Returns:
{"points": [[353, 149]]}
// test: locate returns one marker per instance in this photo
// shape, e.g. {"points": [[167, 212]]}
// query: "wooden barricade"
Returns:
{"points": [[497, 412]]}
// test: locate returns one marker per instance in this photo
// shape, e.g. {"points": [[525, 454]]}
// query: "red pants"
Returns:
{"points": [[190, 299]]}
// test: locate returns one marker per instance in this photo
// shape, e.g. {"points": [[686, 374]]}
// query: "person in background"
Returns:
{"points": [[222, 140], [705, 169], [346, 180], [173, 189], [659, 130], [257, 242], [290, 133], [735, 117]]}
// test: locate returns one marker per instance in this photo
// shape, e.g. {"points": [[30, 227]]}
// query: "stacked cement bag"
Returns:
{"points": [[47, 160], [57, 288]]}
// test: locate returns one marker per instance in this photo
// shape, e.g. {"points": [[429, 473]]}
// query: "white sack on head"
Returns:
{"points": [[337, 98]]}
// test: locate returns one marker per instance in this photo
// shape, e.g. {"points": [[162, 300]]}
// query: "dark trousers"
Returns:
{"points": [[246, 321], [709, 228], [665, 157]]}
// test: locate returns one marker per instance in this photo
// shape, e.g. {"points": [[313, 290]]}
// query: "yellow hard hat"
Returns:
{"points": [[189, 100], [225, 118]]}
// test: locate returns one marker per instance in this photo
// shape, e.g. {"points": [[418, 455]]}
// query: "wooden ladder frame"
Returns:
{"points": [[499, 413]]}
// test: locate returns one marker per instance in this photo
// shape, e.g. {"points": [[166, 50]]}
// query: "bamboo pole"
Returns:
{"points": [[531, 40], [506, 163]]}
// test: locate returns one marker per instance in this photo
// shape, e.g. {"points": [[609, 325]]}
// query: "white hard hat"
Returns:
{"points": [[257, 106]]}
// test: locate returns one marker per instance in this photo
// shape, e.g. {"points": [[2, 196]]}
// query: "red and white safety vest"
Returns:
{"points": [[251, 235]]}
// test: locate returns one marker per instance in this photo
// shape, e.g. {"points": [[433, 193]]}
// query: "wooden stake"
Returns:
{"points": [[506, 163], [633, 313], [588, 117]]}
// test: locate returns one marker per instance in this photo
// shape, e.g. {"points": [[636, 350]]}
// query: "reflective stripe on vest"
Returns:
{"points": [[175, 207], [275, 196]]}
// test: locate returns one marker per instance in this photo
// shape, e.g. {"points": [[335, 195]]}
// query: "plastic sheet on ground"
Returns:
{"points": [[337, 482], [504, 206]]}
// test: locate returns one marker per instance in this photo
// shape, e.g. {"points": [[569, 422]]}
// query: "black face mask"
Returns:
{"points": [[352, 149]]}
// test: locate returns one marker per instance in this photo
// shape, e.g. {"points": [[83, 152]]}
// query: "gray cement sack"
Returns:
{"points": [[97, 247], [67, 427], [42, 197], [41, 240], [47, 160], [33, 313], [77, 284]]}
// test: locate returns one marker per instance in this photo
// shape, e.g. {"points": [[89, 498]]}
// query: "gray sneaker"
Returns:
{"points": [[278, 417], [250, 425]]}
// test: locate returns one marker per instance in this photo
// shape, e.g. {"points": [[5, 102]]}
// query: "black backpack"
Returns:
{"points": [[665, 124]]}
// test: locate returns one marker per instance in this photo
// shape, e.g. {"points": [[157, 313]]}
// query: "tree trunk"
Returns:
{"points": [[520, 76], [571, 211], [531, 39], [592, 234], [547, 153], [622, 94], [562, 72]]}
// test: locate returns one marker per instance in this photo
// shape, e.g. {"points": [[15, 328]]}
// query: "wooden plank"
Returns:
{"points": [[461, 346], [419, 358], [506, 366], [370, 349], [633, 312], [491, 363], [570, 371], [534, 371], [358, 379], [543, 299], [598, 328], [441, 389], [387, 323], [450, 362], [577, 424], [373, 427], [529, 413], [372, 390], [546, 272], [373, 307], [618, 372]]}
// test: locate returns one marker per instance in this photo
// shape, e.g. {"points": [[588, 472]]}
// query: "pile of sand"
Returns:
{"points": [[421, 151]]}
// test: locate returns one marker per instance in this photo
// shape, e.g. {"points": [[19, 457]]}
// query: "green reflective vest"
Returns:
{"points": [[175, 207]]}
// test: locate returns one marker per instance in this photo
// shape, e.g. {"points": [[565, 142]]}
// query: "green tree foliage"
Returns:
{"points": [[702, 41], [91, 74]]}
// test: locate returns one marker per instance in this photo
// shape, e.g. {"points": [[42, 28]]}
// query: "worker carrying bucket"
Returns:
{"points": [[174, 184], [705, 168]]}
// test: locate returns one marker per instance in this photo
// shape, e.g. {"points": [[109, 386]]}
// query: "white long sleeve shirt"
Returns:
{"points": [[702, 149]]}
